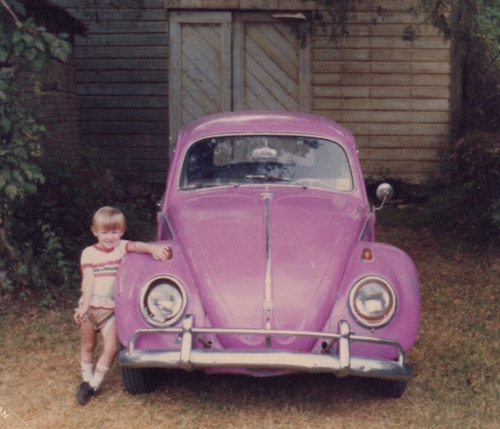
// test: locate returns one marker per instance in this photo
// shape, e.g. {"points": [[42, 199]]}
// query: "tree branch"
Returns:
{"points": [[9, 10]]}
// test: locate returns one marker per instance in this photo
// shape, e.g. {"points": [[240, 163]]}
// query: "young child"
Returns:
{"points": [[99, 264]]}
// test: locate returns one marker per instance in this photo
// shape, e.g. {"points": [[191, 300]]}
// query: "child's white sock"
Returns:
{"points": [[100, 372], [87, 371]]}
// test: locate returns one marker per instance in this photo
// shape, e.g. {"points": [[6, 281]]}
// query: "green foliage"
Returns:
{"points": [[487, 28], [20, 130], [437, 12], [20, 37], [475, 166], [50, 229], [19, 146], [474, 161], [468, 207], [479, 19], [23, 45], [481, 89]]}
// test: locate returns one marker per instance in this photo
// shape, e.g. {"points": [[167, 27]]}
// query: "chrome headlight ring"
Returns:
{"points": [[163, 301], [373, 302]]}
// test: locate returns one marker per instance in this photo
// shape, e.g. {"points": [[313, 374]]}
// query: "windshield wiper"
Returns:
{"points": [[202, 185], [270, 178]]}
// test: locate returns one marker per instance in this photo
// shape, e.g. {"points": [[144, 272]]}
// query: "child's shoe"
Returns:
{"points": [[85, 393]]}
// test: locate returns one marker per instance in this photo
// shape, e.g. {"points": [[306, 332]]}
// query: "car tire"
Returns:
{"points": [[140, 380], [390, 388]]}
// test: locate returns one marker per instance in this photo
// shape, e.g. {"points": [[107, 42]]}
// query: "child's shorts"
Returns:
{"points": [[100, 318]]}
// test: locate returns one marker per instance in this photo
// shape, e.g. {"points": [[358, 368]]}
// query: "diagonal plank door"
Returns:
{"points": [[271, 64], [200, 66], [223, 62]]}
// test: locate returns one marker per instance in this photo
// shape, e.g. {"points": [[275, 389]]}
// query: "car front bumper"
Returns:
{"points": [[341, 364]]}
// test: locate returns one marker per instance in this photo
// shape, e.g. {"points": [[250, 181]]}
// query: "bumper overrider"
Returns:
{"points": [[341, 364]]}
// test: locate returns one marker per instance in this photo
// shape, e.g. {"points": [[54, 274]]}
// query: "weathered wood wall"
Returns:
{"points": [[123, 87], [394, 94]]}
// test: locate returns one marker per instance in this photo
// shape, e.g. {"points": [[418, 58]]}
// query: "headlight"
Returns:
{"points": [[373, 302], [163, 301]]}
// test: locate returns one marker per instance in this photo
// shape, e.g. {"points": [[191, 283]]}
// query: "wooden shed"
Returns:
{"points": [[145, 72]]}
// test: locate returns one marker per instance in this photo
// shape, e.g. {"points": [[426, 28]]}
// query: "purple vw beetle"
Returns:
{"points": [[274, 266]]}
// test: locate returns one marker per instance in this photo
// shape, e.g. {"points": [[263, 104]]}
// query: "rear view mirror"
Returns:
{"points": [[384, 193], [264, 153]]}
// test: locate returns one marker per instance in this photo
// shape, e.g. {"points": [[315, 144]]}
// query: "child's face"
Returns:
{"points": [[108, 238]]}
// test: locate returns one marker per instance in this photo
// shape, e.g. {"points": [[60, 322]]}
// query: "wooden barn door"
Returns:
{"points": [[200, 67], [221, 61], [270, 63]]}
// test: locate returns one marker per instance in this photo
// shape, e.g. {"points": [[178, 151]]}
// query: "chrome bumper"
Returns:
{"points": [[341, 365]]}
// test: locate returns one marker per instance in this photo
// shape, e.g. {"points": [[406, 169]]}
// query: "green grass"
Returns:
{"points": [[456, 362]]}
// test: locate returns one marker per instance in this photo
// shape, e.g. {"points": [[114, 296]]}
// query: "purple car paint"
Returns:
{"points": [[275, 267]]}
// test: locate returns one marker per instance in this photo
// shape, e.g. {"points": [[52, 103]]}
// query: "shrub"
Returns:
{"points": [[23, 44], [50, 229], [475, 165]]}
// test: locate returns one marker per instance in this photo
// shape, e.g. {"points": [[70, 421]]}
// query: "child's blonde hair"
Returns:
{"points": [[109, 218]]}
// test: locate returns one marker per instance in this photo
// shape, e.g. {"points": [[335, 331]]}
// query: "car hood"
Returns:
{"points": [[268, 259]]}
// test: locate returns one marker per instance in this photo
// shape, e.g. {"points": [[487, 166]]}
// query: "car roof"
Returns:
{"points": [[263, 122]]}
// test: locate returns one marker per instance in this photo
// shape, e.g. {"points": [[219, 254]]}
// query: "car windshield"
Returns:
{"points": [[293, 160]]}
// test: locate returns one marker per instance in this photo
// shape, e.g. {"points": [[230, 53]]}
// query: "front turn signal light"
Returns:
{"points": [[366, 254]]}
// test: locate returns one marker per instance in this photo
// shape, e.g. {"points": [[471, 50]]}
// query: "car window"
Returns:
{"points": [[293, 160]]}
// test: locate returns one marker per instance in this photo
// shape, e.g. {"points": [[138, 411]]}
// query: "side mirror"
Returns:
{"points": [[384, 193]]}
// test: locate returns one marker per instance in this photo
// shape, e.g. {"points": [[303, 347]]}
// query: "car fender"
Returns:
{"points": [[135, 271], [395, 266]]}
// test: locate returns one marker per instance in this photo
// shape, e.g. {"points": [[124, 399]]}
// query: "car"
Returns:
{"points": [[274, 267]]}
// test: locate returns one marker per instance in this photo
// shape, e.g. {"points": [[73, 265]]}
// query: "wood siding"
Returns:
{"points": [[393, 94], [122, 73]]}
